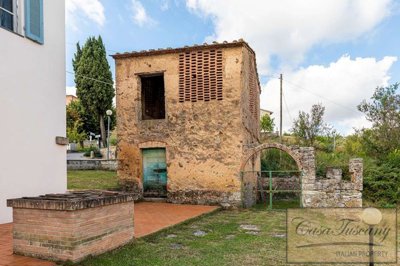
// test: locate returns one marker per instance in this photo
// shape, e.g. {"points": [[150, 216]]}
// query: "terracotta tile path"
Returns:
{"points": [[150, 217], [6, 256]]}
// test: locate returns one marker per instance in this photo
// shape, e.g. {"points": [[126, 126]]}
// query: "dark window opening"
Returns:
{"points": [[7, 14], [153, 99]]}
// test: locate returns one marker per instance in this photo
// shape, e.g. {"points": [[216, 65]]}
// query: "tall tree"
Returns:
{"points": [[93, 79], [308, 126], [75, 111], [383, 111]]}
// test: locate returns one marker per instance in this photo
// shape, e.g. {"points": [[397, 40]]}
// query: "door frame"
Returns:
{"points": [[146, 147]]}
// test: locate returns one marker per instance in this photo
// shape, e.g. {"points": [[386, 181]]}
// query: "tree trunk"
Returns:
{"points": [[103, 131]]}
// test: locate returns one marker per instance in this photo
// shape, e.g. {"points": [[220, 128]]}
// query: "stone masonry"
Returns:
{"points": [[211, 118], [92, 164], [330, 191], [70, 227]]}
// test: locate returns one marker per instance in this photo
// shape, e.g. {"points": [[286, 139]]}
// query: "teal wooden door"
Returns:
{"points": [[154, 173]]}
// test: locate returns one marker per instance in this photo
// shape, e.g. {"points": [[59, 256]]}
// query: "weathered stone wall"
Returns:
{"points": [[331, 191], [204, 140], [289, 182], [250, 113]]}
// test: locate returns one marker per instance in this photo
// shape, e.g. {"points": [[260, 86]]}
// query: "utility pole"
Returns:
{"points": [[280, 120], [334, 142]]}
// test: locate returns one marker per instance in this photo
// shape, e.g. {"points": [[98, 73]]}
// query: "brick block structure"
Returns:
{"points": [[70, 227], [200, 107]]}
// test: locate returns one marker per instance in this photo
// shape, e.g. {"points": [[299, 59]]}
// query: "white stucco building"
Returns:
{"points": [[32, 99]]}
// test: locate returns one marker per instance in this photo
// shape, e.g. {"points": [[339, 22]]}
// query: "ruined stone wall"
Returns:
{"points": [[203, 139], [289, 182], [332, 191]]}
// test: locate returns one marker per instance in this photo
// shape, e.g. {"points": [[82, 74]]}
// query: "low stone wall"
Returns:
{"points": [[94, 164], [332, 191], [282, 183], [204, 197], [70, 227]]}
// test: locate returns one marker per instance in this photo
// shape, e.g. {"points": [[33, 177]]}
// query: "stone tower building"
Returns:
{"points": [[186, 117]]}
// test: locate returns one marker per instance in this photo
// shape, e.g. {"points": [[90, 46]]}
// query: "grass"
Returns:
{"points": [[92, 179], [224, 244]]}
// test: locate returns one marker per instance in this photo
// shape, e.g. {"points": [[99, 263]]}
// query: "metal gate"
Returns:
{"points": [[276, 185]]}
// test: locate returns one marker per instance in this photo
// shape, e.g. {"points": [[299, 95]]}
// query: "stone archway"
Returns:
{"points": [[303, 156], [331, 191], [293, 151]]}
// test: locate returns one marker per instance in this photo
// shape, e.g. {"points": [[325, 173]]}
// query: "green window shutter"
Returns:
{"points": [[34, 20]]}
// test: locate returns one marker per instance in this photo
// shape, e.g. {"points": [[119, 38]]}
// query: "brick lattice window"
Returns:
{"points": [[200, 76], [253, 88]]}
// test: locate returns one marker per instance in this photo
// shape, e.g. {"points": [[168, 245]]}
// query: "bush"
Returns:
{"points": [[97, 153], [393, 159], [335, 160], [113, 140], [275, 160], [382, 184]]}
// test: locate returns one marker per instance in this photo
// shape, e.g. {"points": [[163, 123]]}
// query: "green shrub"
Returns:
{"points": [[113, 140], [276, 160], [393, 159], [326, 160], [97, 153], [382, 184]]}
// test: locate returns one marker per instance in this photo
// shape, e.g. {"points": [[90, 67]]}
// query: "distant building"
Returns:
{"points": [[32, 70], [186, 118], [69, 98], [265, 112]]}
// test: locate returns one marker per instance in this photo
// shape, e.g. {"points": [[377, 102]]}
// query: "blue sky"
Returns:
{"points": [[172, 27], [333, 52]]}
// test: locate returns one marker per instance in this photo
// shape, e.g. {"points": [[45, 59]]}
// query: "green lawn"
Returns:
{"points": [[224, 243], [92, 179]]}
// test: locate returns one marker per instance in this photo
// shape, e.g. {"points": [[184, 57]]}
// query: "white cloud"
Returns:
{"points": [[340, 87], [287, 28], [140, 16], [77, 10], [70, 90]]}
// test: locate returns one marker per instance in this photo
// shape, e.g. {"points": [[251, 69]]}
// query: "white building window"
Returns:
{"points": [[8, 14]]}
